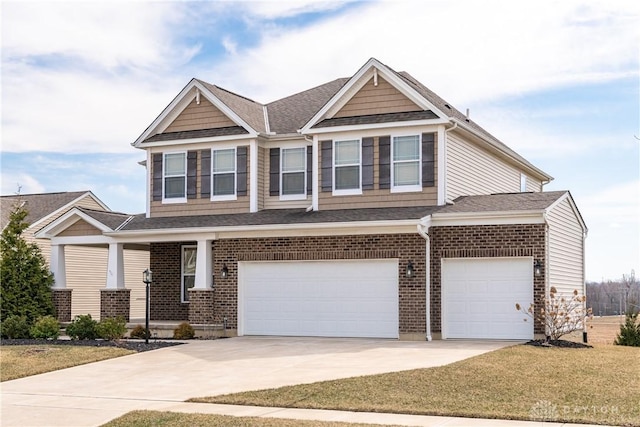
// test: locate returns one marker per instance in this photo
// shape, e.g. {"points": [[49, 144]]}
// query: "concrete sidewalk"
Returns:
{"points": [[93, 394]]}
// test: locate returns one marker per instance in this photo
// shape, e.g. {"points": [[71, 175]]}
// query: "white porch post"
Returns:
{"points": [[57, 266], [115, 266], [204, 272]]}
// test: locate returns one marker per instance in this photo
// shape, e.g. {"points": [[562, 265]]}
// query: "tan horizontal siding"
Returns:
{"points": [[381, 99], [274, 202], [473, 171], [533, 185], [378, 199], [566, 248], [263, 177], [203, 116], [81, 228], [200, 207]]}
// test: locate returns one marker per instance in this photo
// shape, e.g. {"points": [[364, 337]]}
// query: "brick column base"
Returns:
{"points": [[115, 303], [201, 306], [62, 304]]}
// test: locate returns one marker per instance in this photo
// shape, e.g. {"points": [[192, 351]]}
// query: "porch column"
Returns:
{"points": [[201, 295], [59, 292], [115, 298]]}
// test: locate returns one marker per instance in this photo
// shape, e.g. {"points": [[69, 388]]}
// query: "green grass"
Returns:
{"points": [[20, 361], [174, 419], [598, 385]]}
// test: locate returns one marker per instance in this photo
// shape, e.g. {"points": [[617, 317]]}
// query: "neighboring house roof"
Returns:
{"points": [[41, 206]]}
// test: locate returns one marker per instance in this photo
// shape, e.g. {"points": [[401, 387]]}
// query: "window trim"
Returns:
{"points": [[225, 197], [303, 194], [350, 191], [184, 292], [405, 188], [169, 200]]}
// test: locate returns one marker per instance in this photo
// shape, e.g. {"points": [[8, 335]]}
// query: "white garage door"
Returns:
{"points": [[479, 297], [319, 298]]}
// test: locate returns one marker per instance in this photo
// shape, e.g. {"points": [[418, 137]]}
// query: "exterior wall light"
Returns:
{"points": [[224, 273], [537, 268], [409, 272], [147, 278]]}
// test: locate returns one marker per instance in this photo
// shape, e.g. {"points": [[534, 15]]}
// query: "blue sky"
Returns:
{"points": [[556, 81]]}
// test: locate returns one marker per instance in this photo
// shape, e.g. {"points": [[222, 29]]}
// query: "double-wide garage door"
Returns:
{"points": [[352, 298], [479, 297]]}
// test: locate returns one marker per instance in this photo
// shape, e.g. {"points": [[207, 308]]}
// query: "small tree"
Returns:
{"points": [[629, 332], [559, 315], [25, 277]]}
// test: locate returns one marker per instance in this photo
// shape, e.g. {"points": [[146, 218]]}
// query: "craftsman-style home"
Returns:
{"points": [[367, 206]]}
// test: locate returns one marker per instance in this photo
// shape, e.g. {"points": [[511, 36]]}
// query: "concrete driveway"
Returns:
{"points": [[93, 394]]}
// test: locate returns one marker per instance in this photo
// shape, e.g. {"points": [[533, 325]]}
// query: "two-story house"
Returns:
{"points": [[364, 207]]}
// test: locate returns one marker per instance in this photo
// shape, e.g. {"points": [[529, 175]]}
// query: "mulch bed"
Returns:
{"points": [[558, 343], [138, 346]]}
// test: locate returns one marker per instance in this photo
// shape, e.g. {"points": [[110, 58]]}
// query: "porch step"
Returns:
{"points": [[165, 328]]}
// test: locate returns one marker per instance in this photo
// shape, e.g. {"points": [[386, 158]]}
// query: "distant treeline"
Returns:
{"points": [[614, 297]]}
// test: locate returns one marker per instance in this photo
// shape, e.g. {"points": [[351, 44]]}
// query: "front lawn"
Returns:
{"points": [[25, 360], [591, 385]]}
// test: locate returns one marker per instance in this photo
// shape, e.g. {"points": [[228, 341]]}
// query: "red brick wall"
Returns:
{"points": [[62, 304], [115, 303], [483, 241]]}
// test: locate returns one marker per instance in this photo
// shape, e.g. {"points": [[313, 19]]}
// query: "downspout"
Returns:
{"points": [[584, 285], [423, 230]]}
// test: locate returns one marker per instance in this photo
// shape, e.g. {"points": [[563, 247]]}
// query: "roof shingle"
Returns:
{"points": [[37, 205]]}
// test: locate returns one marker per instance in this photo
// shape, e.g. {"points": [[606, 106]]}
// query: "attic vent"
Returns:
{"points": [[467, 119], [448, 106], [375, 77], [197, 96]]}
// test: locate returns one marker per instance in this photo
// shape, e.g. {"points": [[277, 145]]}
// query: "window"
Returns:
{"points": [[406, 163], [175, 177], [523, 183], [293, 170], [188, 270], [346, 166], [224, 174]]}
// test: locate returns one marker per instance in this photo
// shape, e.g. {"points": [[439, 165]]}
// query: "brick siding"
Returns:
{"points": [[164, 292], [115, 303], [62, 304], [484, 241], [201, 306]]}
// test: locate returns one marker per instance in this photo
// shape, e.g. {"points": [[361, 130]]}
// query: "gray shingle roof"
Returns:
{"points": [[37, 205], [111, 219], [249, 110], [508, 202], [201, 133], [376, 118]]}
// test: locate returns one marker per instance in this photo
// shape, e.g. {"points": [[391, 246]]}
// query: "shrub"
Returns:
{"points": [[83, 327], [559, 315], [138, 332], [184, 331], [629, 334], [46, 327], [15, 327], [112, 329]]}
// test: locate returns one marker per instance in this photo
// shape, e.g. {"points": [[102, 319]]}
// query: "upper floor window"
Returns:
{"points": [[406, 163], [188, 271], [293, 172], [347, 163], [223, 174], [175, 177]]}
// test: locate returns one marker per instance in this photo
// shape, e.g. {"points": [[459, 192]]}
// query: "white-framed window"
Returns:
{"points": [[174, 178], [293, 173], [347, 167], [223, 174], [188, 271], [406, 160], [523, 183]]}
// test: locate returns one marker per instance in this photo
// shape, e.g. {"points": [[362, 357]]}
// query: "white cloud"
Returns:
{"points": [[23, 183], [285, 9]]}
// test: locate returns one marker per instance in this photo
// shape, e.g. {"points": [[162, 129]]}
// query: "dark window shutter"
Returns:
{"points": [[274, 172], [309, 169], [205, 173], [367, 163], [241, 170], [327, 165], [428, 159], [384, 145], [157, 176], [192, 174]]}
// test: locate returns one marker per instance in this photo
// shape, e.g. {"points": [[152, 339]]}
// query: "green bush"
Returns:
{"points": [[15, 327], [629, 334], [112, 328], [138, 332], [184, 331], [46, 327], [83, 327]]}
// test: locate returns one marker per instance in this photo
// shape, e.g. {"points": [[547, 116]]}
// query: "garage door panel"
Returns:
{"points": [[479, 296], [356, 298]]}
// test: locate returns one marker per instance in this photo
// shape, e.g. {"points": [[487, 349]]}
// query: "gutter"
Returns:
{"points": [[423, 230]]}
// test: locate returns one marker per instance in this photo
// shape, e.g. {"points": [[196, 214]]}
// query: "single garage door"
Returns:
{"points": [[355, 298], [479, 297]]}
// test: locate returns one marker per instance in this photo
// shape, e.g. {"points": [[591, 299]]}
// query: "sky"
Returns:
{"points": [[558, 81]]}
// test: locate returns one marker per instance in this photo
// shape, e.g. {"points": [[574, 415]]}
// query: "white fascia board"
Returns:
{"points": [[191, 141], [487, 218], [574, 208], [361, 128], [214, 233], [67, 220], [69, 205], [97, 240], [358, 80], [179, 103]]}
